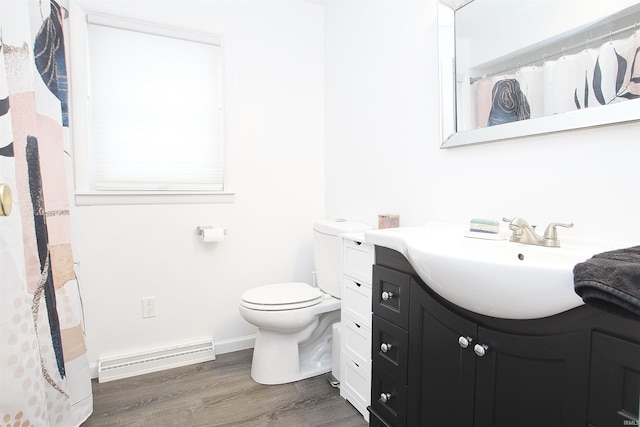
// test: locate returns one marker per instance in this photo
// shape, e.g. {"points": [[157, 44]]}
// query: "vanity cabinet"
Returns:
{"points": [[458, 368], [615, 381], [391, 292], [355, 362], [468, 375]]}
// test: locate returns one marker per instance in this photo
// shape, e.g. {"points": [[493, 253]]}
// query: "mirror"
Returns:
{"points": [[513, 68]]}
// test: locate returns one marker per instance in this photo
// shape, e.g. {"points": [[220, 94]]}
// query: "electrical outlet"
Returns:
{"points": [[148, 307]]}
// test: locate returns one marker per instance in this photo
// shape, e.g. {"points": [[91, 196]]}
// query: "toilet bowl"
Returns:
{"points": [[294, 320], [293, 340]]}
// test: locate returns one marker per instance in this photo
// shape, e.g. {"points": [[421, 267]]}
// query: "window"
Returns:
{"points": [[153, 108]]}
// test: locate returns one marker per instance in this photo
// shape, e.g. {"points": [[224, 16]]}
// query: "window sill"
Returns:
{"points": [[97, 198]]}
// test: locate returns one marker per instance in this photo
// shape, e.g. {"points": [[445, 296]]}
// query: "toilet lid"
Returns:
{"points": [[282, 296]]}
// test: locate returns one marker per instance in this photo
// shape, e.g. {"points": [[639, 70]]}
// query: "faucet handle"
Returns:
{"points": [[513, 225], [516, 223], [551, 235]]}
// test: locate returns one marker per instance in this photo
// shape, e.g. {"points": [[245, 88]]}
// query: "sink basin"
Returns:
{"points": [[495, 278]]}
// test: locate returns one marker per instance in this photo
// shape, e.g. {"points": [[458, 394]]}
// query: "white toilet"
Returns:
{"points": [[295, 320]]}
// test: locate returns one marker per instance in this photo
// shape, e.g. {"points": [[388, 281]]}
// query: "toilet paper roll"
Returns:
{"points": [[213, 235]]}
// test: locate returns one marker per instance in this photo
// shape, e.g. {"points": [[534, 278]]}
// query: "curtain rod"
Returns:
{"points": [[562, 52]]}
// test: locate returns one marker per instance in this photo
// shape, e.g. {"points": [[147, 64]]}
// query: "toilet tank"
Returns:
{"points": [[327, 252]]}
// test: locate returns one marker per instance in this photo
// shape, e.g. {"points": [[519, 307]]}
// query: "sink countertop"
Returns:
{"points": [[496, 278]]}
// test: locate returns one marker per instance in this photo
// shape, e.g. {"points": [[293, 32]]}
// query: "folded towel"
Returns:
{"points": [[610, 281]]}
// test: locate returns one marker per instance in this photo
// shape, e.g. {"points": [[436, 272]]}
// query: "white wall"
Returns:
{"points": [[330, 112], [273, 93], [523, 24], [382, 146]]}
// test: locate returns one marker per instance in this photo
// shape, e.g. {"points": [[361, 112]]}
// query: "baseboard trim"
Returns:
{"points": [[235, 344], [221, 347]]}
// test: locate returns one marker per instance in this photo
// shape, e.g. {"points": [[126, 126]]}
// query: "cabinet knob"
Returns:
{"points": [[387, 295], [480, 350], [385, 347], [464, 341], [385, 397]]}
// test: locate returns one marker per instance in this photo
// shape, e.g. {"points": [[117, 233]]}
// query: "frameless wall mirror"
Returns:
{"points": [[512, 68]]}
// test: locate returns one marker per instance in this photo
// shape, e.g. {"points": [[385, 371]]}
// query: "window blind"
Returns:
{"points": [[155, 107]]}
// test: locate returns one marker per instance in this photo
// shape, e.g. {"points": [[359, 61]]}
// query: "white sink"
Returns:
{"points": [[496, 278]]}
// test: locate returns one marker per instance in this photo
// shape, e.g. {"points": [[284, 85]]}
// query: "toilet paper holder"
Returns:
{"points": [[201, 229]]}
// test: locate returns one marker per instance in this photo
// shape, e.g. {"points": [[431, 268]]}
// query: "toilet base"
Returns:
{"points": [[283, 358]]}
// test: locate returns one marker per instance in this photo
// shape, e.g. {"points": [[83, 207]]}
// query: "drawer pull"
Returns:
{"points": [[480, 350], [385, 347], [357, 284], [385, 397], [355, 363], [464, 341], [387, 295], [358, 326]]}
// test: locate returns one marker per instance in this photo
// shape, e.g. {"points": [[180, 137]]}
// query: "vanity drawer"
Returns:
{"points": [[390, 348], [356, 338], [356, 301], [391, 295], [355, 383], [358, 260], [375, 420], [388, 397]]}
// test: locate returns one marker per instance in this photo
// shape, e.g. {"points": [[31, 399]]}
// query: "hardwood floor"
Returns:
{"points": [[218, 393]]}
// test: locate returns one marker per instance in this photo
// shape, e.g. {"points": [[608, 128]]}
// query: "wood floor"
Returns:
{"points": [[218, 393]]}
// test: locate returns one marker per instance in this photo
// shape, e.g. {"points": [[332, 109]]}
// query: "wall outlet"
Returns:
{"points": [[148, 307]]}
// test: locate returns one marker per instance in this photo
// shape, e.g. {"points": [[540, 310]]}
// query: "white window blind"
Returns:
{"points": [[155, 108]]}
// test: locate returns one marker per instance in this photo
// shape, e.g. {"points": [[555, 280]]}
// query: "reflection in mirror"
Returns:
{"points": [[504, 75]]}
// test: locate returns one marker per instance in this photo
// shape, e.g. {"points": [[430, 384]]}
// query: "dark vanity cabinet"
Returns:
{"points": [[443, 364], [436, 364], [614, 389], [390, 346], [474, 376]]}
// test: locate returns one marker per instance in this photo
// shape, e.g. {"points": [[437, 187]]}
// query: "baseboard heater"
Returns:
{"points": [[124, 366]]}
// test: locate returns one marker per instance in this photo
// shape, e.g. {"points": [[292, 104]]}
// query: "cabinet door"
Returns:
{"points": [[532, 381], [391, 295], [441, 371], [377, 421], [614, 394], [389, 397], [390, 347]]}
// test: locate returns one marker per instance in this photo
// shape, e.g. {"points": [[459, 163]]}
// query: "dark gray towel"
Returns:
{"points": [[610, 281]]}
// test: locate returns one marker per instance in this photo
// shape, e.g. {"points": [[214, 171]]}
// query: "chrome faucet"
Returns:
{"points": [[525, 233]]}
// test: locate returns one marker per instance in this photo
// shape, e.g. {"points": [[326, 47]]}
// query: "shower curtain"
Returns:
{"points": [[593, 77], [44, 370]]}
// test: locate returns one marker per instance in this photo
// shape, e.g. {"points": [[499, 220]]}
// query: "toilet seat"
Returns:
{"points": [[282, 296]]}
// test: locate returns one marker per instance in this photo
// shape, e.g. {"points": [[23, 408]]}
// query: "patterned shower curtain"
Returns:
{"points": [[593, 77], [44, 370]]}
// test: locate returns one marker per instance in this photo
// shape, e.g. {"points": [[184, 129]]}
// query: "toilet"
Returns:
{"points": [[294, 320]]}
